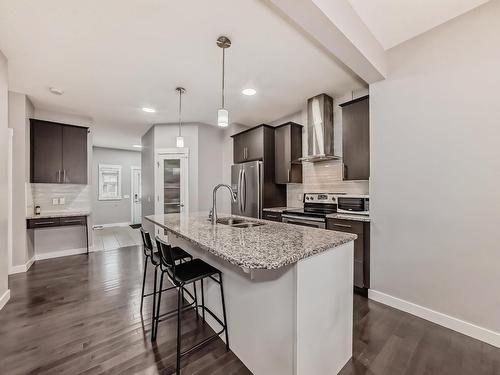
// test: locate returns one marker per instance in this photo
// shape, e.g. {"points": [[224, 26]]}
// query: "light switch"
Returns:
{"points": [[62, 201], [55, 201], [126, 196]]}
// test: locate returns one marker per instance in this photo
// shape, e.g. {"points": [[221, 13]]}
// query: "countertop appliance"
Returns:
{"points": [[247, 180], [316, 207], [353, 204]]}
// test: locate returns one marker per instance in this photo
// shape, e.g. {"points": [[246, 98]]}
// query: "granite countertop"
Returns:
{"points": [[268, 246], [353, 217], [55, 214], [278, 209]]}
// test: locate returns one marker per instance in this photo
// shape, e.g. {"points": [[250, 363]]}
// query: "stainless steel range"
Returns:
{"points": [[316, 207]]}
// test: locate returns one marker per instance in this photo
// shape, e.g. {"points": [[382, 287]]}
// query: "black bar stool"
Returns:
{"points": [[151, 256], [183, 274]]}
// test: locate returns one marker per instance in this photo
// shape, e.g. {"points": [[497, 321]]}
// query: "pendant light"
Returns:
{"points": [[223, 115], [180, 138]]}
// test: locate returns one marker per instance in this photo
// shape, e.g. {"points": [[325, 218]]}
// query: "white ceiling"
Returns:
{"points": [[113, 57], [395, 21]]}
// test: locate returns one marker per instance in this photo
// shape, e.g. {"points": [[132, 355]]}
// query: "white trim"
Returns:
{"points": [[22, 267], [10, 212], [132, 169], [4, 299], [124, 224], [61, 253], [466, 328]]}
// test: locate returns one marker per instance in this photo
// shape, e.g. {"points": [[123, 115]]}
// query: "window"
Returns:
{"points": [[110, 182]]}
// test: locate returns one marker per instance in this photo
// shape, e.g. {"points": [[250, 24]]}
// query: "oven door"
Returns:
{"points": [[304, 221]]}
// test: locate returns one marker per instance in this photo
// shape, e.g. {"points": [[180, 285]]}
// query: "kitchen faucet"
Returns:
{"points": [[213, 211]]}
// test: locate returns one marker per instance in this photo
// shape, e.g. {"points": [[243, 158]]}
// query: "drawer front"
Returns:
{"points": [[349, 226], [273, 216], [43, 223], [73, 220]]}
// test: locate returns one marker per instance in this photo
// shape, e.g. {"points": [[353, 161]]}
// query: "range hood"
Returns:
{"points": [[319, 129]]}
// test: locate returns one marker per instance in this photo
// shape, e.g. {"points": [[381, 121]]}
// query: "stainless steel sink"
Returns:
{"points": [[238, 223], [247, 225], [230, 221]]}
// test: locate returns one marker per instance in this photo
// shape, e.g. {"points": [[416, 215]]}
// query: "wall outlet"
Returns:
{"points": [[300, 197], [62, 201], [55, 201], [126, 196]]}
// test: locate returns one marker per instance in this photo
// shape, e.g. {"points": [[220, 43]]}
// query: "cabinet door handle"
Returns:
{"points": [[72, 221], [342, 225], [288, 178], [64, 175], [59, 175], [44, 222]]}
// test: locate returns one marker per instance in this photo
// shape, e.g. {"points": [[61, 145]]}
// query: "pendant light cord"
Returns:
{"points": [[223, 72], [180, 111]]}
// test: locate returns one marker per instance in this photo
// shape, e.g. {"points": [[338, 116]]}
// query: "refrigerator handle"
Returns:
{"points": [[244, 180], [240, 173]]}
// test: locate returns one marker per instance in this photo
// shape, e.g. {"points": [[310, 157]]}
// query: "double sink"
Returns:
{"points": [[238, 223]]}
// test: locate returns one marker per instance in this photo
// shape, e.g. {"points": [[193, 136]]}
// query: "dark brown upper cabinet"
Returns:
{"points": [[288, 151], [58, 153], [249, 144], [356, 139]]}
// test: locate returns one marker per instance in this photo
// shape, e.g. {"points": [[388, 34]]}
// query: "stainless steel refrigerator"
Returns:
{"points": [[247, 180]]}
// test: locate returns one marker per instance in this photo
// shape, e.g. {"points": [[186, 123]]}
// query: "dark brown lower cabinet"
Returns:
{"points": [[361, 250], [270, 215]]}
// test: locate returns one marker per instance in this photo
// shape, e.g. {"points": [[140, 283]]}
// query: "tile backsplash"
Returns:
{"points": [[76, 197], [323, 177]]}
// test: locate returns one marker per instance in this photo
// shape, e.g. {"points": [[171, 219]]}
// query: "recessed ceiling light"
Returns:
{"points": [[249, 92], [149, 110], [56, 91], [137, 146]]}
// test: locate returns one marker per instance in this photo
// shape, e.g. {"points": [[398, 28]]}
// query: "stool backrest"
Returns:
{"points": [[146, 241], [166, 256]]}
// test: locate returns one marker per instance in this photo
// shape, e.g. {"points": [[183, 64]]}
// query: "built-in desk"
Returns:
{"points": [[59, 220]]}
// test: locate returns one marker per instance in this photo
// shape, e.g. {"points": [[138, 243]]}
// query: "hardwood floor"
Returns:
{"points": [[80, 315]]}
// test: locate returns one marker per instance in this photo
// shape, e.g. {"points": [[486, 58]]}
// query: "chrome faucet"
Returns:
{"points": [[213, 211]]}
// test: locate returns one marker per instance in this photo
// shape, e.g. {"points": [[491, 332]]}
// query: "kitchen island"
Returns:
{"points": [[288, 290]]}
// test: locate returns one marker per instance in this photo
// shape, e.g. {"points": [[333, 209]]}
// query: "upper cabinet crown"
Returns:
{"points": [[288, 150], [356, 139], [58, 153]]}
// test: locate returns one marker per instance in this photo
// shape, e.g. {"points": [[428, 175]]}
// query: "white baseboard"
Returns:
{"points": [[113, 225], [61, 253], [22, 267], [466, 328], [4, 298]]}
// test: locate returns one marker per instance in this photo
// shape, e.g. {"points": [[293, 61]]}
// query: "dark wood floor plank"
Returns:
{"points": [[80, 315]]}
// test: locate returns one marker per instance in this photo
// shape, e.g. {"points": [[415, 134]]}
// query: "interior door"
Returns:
{"points": [[172, 188], [136, 196]]}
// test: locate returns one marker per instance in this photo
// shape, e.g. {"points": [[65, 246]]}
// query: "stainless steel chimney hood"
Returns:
{"points": [[319, 129]]}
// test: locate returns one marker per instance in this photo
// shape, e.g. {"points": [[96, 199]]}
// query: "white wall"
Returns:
{"points": [[20, 111], [4, 119], [119, 211], [435, 171]]}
